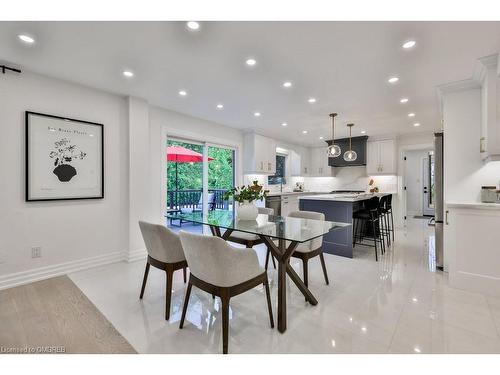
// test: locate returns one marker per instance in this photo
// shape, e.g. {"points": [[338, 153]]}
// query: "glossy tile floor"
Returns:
{"points": [[398, 305]]}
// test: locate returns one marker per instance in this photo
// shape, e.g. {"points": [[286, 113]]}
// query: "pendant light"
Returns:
{"points": [[350, 155], [333, 150]]}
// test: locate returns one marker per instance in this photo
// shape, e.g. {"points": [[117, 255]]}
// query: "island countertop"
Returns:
{"points": [[342, 197]]}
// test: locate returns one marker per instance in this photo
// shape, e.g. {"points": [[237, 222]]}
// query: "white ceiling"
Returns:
{"points": [[345, 65]]}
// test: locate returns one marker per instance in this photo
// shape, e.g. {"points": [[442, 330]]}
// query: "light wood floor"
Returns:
{"points": [[55, 313]]}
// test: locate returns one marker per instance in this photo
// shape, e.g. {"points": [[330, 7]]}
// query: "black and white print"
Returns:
{"points": [[64, 158]]}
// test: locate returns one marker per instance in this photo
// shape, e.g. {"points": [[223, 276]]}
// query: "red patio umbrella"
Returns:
{"points": [[179, 154]]}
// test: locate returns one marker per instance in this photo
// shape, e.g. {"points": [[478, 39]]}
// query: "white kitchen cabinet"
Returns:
{"points": [[471, 240], [318, 166], [289, 203], [381, 157], [259, 154], [306, 162], [490, 102], [295, 163]]}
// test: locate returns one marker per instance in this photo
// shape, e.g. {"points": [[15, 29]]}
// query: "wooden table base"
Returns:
{"points": [[282, 253]]}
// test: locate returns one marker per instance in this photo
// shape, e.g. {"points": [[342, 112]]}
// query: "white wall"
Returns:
{"points": [[78, 234], [67, 231]]}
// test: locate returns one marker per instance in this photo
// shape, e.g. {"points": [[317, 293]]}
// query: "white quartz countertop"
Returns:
{"points": [[343, 197], [277, 193], [474, 205]]}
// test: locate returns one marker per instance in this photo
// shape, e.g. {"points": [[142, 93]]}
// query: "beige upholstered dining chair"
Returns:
{"points": [[250, 240], [310, 249], [222, 270], [164, 252]]}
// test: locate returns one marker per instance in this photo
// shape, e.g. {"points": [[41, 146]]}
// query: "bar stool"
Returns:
{"points": [[367, 223], [389, 212], [384, 220]]}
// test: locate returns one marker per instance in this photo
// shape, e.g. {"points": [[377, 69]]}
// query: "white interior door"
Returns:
{"points": [[427, 178]]}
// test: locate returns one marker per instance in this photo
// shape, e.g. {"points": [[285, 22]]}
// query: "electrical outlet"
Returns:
{"points": [[36, 252]]}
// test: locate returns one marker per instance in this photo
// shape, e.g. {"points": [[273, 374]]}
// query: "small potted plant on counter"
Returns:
{"points": [[245, 196]]}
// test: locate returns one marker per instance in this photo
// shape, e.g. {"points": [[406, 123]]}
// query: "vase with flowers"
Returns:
{"points": [[245, 196], [373, 189]]}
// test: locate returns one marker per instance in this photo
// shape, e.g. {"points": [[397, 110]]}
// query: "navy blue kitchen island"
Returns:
{"points": [[336, 207]]}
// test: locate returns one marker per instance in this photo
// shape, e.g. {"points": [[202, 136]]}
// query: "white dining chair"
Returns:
{"points": [[222, 270], [310, 249], [250, 240], [165, 253]]}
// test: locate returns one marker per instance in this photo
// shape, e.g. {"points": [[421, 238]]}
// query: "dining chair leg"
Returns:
{"points": [[323, 265], [269, 306], [225, 319], [186, 302], [144, 280], [184, 274], [168, 295]]}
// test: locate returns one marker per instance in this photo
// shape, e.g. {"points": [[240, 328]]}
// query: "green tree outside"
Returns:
{"points": [[220, 170]]}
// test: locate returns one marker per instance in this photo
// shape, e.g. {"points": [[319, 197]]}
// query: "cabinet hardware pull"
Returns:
{"points": [[446, 217]]}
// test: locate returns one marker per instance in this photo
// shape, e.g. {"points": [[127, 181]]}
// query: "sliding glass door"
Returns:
{"points": [[197, 176], [220, 176]]}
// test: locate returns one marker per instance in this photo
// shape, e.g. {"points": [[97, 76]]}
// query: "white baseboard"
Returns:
{"points": [[134, 255], [42, 273]]}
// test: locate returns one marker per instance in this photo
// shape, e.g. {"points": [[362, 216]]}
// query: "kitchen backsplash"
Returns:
{"points": [[352, 178]]}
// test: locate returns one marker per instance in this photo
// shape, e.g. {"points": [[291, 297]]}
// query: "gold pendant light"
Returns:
{"points": [[350, 155], [333, 150]]}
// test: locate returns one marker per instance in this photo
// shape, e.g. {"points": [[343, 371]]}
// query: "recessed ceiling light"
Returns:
{"points": [[411, 114], [183, 92], [26, 38], [251, 62], [321, 137], [284, 124], [304, 131], [256, 114], [414, 299], [403, 100], [287, 84], [416, 124], [220, 106], [393, 80], [311, 100], [193, 25], [409, 44], [363, 131], [128, 73]]}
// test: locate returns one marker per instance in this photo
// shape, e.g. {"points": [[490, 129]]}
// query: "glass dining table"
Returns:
{"points": [[280, 234]]}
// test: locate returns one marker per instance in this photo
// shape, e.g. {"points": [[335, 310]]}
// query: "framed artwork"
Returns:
{"points": [[64, 158]]}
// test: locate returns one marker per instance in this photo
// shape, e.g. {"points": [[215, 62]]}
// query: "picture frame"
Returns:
{"points": [[64, 158]]}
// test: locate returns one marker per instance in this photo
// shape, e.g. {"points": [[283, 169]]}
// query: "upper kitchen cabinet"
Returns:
{"points": [[381, 157], [319, 163], [259, 154], [300, 162], [487, 75]]}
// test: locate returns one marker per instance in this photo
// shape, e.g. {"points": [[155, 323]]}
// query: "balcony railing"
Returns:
{"points": [[190, 198]]}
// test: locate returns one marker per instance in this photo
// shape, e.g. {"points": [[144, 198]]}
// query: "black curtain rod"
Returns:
{"points": [[5, 67]]}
